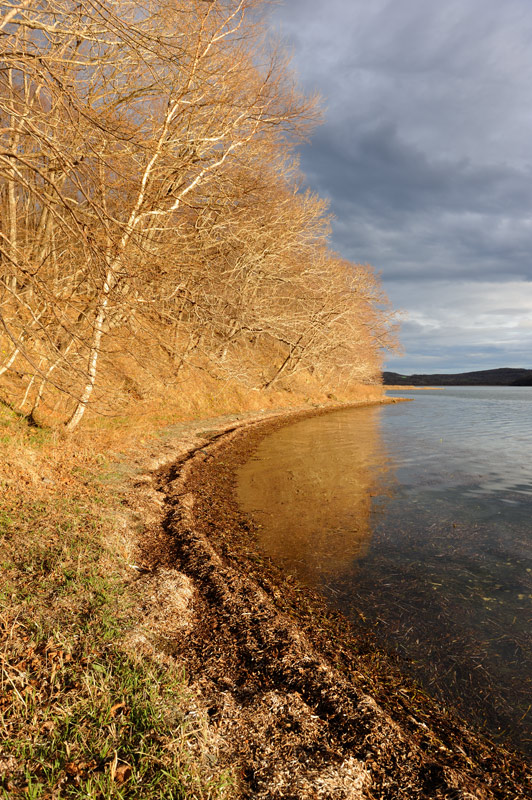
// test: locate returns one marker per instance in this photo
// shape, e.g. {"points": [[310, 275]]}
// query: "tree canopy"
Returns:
{"points": [[151, 204]]}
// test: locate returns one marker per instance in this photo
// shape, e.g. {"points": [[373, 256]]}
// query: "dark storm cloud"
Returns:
{"points": [[426, 158], [383, 174], [443, 215]]}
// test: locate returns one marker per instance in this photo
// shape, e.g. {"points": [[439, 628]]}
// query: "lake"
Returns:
{"points": [[415, 519]]}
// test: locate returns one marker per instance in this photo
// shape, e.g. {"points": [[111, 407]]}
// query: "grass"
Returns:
{"points": [[82, 714], [101, 725]]}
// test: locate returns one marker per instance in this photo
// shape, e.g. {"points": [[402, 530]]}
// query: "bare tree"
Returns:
{"points": [[149, 199]]}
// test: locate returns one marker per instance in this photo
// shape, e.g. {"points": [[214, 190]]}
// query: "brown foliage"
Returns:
{"points": [[149, 204]]}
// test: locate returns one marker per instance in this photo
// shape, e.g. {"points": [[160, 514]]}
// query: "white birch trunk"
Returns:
{"points": [[93, 357]]}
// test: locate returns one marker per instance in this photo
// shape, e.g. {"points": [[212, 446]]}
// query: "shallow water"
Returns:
{"points": [[416, 519]]}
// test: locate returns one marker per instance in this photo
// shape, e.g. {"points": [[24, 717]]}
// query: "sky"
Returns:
{"points": [[425, 155]]}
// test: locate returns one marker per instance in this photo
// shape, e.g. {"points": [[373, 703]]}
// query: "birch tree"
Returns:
{"points": [[159, 98], [149, 200]]}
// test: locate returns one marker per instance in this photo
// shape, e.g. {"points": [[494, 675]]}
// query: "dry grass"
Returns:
{"points": [[199, 396], [84, 713], [81, 714]]}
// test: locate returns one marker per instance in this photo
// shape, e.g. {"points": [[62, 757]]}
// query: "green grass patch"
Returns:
{"points": [[99, 725], [81, 715]]}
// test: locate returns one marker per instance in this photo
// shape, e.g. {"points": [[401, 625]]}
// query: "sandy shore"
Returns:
{"points": [[299, 705]]}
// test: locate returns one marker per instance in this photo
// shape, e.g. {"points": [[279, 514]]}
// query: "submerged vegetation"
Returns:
{"points": [[131, 669], [159, 260]]}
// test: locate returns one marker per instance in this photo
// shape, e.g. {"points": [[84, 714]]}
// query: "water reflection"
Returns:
{"points": [[419, 516], [314, 488]]}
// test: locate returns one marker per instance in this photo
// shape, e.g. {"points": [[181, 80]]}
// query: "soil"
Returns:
{"points": [[300, 705]]}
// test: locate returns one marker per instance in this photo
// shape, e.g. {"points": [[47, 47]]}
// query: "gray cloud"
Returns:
{"points": [[473, 325], [426, 158]]}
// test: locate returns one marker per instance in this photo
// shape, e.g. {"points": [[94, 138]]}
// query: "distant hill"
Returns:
{"points": [[505, 376]]}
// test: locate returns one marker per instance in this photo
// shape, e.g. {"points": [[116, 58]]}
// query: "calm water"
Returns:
{"points": [[416, 519]]}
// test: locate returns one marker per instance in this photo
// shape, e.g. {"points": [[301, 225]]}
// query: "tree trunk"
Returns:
{"points": [[93, 357]]}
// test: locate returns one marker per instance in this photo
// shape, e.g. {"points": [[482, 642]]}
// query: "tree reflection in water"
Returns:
{"points": [[421, 532], [314, 488]]}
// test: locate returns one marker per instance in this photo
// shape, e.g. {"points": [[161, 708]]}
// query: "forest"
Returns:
{"points": [[154, 219]]}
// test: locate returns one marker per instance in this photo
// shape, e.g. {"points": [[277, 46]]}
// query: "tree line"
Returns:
{"points": [[151, 205]]}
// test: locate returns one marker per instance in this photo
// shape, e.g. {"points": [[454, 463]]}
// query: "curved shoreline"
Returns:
{"points": [[301, 705]]}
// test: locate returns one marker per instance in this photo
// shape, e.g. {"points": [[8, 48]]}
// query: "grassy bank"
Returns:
{"points": [[82, 714], [84, 711]]}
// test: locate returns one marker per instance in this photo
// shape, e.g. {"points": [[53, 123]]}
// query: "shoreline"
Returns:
{"points": [[399, 388], [300, 704]]}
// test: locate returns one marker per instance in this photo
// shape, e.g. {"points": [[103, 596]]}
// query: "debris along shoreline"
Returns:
{"points": [[299, 705]]}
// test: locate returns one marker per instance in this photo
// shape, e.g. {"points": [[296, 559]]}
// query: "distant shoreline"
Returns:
{"points": [[503, 376]]}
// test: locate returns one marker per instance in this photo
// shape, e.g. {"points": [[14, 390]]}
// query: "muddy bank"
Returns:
{"points": [[299, 705]]}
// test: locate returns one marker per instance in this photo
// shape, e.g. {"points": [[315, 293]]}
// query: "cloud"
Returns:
{"points": [[414, 215], [483, 324], [426, 155]]}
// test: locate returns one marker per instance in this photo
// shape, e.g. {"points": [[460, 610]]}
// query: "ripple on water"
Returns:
{"points": [[418, 516]]}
